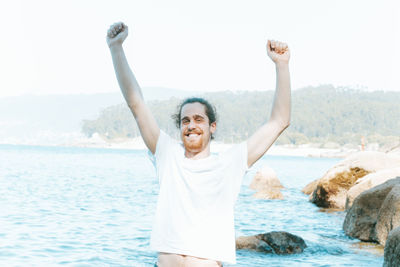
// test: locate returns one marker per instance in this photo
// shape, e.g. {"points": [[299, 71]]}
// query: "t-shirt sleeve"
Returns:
{"points": [[238, 165], [164, 143]]}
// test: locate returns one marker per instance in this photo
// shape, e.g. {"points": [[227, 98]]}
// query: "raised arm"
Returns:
{"points": [[130, 88], [279, 120]]}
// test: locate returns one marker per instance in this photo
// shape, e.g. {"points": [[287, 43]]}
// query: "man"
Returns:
{"points": [[194, 223]]}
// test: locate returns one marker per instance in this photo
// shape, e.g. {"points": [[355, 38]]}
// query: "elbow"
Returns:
{"points": [[134, 108], [287, 124], [133, 105], [134, 101], [281, 122], [283, 125], [280, 125]]}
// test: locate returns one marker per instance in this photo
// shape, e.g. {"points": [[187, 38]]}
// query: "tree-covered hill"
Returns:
{"points": [[319, 114]]}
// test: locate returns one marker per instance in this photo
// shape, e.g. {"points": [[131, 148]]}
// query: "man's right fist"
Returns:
{"points": [[116, 34]]}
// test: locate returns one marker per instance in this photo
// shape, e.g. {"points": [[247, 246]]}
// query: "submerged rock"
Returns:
{"points": [[392, 249], [277, 242], [331, 189], [267, 184], [273, 193], [374, 213], [253, 243]]}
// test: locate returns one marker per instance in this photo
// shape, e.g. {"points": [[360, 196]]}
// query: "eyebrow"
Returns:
{"points": [[195, 116]]}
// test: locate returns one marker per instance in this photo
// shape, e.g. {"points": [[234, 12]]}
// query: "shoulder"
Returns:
{"points": [[166, 138], [165, 143], [235, 151]]}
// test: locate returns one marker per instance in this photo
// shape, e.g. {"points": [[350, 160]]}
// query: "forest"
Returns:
{"points": [[320, 115]]}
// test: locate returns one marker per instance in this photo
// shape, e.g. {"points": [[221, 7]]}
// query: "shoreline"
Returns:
{"points": [[305, 150]]}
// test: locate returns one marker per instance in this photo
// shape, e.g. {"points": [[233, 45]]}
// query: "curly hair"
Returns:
{"points": [[209, 109]]}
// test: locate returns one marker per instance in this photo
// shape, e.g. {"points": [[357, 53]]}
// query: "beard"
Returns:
{"points": [[193, 144]]}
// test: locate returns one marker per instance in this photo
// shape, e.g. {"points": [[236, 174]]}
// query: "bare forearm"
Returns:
{"points": [[130, 88], [126, 79], [266, 135], [282, 100]]}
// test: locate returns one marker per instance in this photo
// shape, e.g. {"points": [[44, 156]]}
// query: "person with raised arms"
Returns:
{"points": [[194, 218]]}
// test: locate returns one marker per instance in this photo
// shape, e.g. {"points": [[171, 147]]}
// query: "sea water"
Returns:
{"points": [[64, 206]]}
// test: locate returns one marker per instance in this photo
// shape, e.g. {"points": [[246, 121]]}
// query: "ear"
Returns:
{"points": [[213, 127]]}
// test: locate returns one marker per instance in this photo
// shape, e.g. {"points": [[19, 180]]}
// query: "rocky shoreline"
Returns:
{"points": [[366, 185]]}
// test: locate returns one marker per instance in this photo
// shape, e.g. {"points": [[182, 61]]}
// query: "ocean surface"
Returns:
{"points": [[64, 206]]}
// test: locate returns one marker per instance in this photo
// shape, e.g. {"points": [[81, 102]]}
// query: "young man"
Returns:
{"points": [[194, 223]]}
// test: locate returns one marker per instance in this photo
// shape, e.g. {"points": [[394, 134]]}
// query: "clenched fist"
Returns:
{"points": [[116, 34], [278, 51]]}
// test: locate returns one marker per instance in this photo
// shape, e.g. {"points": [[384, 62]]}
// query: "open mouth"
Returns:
{"points": [[192, 135]]}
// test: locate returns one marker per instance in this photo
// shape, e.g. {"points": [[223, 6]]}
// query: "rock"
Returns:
{"points": [[308, 189], [253, 243], [332, 188], [369, 181], [362, 218], [284, 242], [265, 178], [392, 249], [389, 215], [267, 184], [269, 194], [272, 242]]}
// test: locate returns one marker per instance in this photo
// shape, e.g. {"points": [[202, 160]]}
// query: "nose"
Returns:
{"points": [[191, 125]]}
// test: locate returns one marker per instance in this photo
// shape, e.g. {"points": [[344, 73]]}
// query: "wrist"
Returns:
{"points": [[115, 46], [282, 64]]}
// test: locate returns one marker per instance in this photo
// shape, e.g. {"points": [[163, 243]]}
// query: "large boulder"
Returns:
{"points": [[369, 181], [277, 242], [389, 215], [374, 213], [332, 188], [392, 249], [267, 184]]}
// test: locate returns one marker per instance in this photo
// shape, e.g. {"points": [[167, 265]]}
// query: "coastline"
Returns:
{"points": [[277, 150], [304, 150]]}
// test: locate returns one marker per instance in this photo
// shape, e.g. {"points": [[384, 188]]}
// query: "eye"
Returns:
{"points": [[185, 121], [199, 119]]}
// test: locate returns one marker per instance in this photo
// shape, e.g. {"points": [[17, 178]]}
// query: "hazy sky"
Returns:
{"points": [[54, 47]]}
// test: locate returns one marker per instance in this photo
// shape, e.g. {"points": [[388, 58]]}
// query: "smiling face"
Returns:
{"points": [[195, 128]]}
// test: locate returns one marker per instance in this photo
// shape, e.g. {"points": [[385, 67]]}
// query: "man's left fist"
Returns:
{"points": [[278, 51]]}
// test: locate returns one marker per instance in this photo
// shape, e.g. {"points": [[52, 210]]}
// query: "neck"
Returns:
{"points": [[198, 154]]}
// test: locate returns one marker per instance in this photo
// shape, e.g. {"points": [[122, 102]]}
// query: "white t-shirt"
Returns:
{"points": [[196, 201]]}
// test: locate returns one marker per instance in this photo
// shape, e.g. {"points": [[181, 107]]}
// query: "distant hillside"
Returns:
{"points": [[319, 114], [35, 115]]}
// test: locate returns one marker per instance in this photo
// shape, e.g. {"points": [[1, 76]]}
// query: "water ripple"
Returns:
{"points": [[95, 207]]}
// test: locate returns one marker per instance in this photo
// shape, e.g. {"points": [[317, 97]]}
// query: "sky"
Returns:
{"points": [[59, 47]]}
